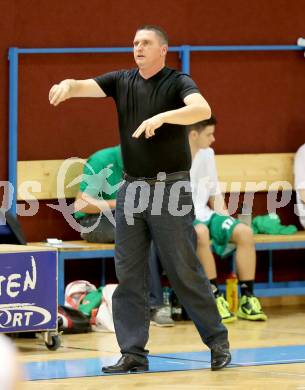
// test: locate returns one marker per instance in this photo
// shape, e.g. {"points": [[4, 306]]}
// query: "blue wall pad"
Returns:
{"points": [[182, 361]]}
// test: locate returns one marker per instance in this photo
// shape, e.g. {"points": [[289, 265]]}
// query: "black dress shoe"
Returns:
{"points": [[220, 357], [127, 363]]}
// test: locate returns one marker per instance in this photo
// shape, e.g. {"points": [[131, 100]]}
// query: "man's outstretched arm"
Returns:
{"points": [[70, 88]]}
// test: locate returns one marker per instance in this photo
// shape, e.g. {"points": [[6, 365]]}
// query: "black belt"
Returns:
{"points": [[169, 177]]}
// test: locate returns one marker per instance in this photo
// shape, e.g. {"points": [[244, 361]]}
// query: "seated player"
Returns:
{"points": [[213, 221]]}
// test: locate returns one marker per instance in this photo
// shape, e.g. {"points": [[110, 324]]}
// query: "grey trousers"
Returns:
{"points": [[174, 239]]}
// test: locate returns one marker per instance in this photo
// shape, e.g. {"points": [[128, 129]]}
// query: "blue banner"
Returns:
{"points": [[28, 291]]}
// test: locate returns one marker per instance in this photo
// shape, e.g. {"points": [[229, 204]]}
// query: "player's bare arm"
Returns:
{"points": [[87, 204], [71, 88], [196, 109]]}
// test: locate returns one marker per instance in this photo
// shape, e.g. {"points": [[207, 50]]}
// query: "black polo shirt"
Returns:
{"points": [[138, 99]]}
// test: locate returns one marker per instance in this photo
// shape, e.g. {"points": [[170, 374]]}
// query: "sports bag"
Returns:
{"points": [[76, 291], [73, 321]]}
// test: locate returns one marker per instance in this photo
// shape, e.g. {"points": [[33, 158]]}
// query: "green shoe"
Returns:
{"points": [[223, 309], [250, 309]]}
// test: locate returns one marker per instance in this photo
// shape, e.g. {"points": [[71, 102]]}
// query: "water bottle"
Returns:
{"points": [[166, 296], [176, 307], [232, 292]]}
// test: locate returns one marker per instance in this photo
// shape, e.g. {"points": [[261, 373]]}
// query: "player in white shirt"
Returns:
{"points": [[213, 221], [299, 182]]}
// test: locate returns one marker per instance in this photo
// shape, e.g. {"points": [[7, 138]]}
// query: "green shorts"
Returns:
{"points": [[221, 229]]}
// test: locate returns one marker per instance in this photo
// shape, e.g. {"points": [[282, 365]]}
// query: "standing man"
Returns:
{"points": [[154, 105], [213, 221]]}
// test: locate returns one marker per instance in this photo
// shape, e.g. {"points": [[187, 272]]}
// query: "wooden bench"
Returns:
{"points": [[272, 171], [270, 243], [71, 250]]}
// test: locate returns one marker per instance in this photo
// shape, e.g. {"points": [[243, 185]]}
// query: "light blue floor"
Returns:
{"points": [[60, 369]]}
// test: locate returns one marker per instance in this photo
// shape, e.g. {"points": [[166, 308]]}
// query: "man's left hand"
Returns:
{"points": [[149, 126]]}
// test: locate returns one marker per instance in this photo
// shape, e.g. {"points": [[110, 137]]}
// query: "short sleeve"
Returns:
{"points": [[186, 86], [107, 82]]}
